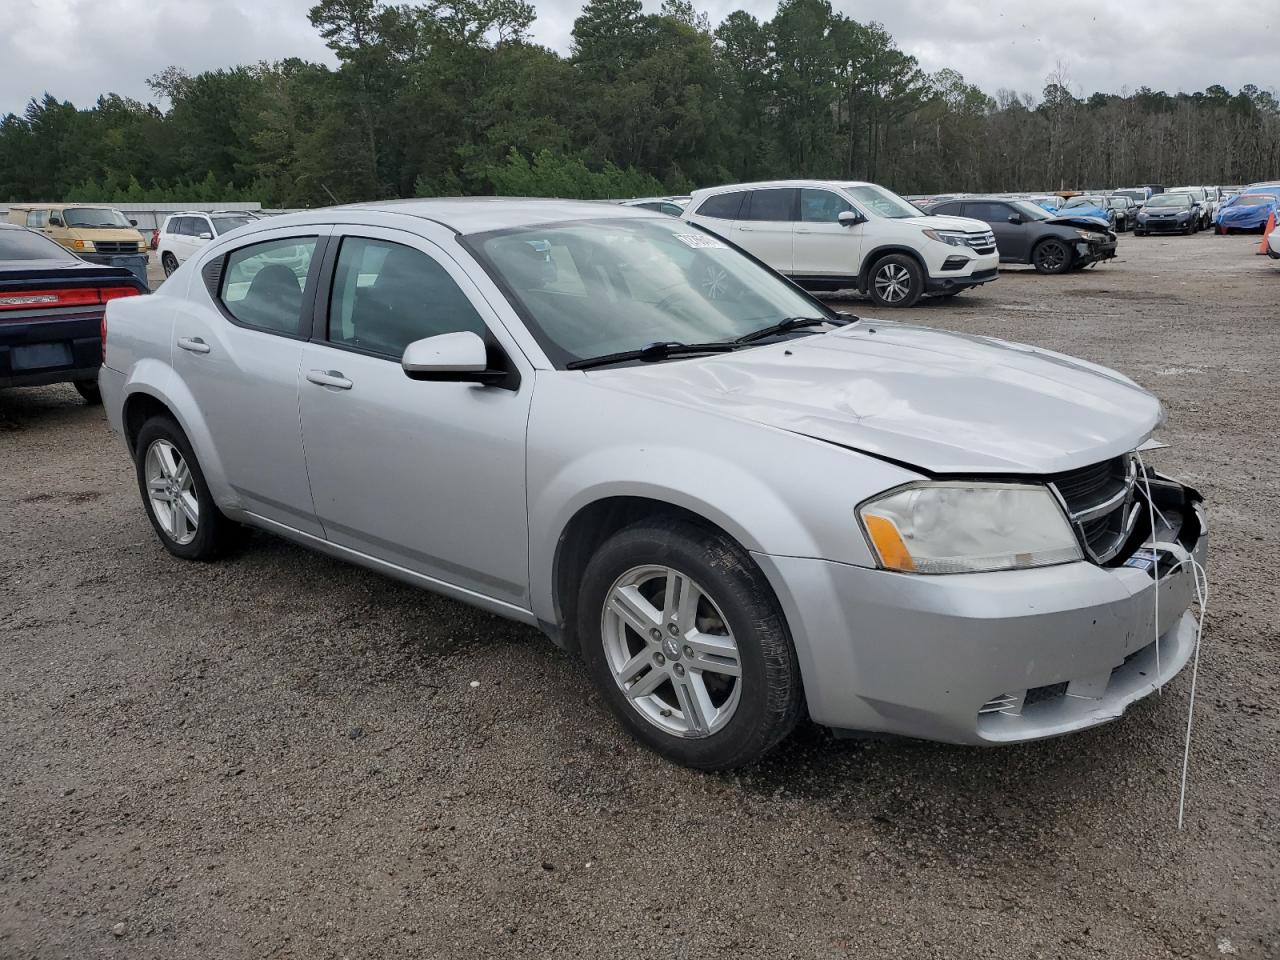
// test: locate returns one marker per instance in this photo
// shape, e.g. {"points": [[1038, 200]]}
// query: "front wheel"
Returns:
{"points": [[175, 495], [1051, 256], [683, 638], [896, 281], [170, 264]]}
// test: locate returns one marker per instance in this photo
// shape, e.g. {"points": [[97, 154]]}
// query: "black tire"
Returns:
{"points": [[1051, 255], [769, 695], [1139, 233], [214, 532], [895, 280], [170, 263], [89, 390]]}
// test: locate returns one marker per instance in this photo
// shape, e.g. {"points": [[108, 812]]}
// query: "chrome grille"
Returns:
{"points": [[1099, 499], [116, 246], [982, 242]]}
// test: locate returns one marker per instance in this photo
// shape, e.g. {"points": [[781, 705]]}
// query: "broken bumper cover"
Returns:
{"points": [[1096, 251], [989, 658]]}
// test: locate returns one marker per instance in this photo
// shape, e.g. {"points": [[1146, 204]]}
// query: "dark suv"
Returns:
{"points": [[1027, 233]]}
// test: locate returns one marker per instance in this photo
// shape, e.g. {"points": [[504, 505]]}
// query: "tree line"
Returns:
{"points": [[442, 98]]}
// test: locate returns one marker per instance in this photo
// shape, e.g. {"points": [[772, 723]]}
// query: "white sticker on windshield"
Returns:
{"points": [[700, 241]]}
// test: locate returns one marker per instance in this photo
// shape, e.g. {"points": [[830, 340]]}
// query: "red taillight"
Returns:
{"points": [[73, 297], [155, 238]]}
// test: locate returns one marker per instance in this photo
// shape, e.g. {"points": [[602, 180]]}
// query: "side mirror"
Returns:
{"points": [[205, 236], [850, 218], [55, 221], [133, 223], [450, 358], [1015, 218]]}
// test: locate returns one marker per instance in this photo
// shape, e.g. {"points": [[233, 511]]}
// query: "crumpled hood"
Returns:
{"points": [[1081, 221], [943, 402]]}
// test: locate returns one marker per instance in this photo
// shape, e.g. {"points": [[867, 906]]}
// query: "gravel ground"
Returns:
{"points": [[283, 756]]}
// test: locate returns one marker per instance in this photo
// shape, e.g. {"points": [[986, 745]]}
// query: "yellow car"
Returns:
{"points": [[95, 233]]}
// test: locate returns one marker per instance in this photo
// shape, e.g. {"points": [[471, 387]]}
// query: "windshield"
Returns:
{"points": [[1031, 211], [1083, 202], [94, 217], [882, 202], [24, 245], [223, 225], [1132, 194], [1252, 200], [1119, 202], [595, 287], [1170, 200]]}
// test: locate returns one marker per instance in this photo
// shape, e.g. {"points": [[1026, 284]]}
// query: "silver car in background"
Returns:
{"points": [[735, 504]]}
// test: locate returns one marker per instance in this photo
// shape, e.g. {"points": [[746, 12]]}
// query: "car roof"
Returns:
{"points": [[466, 215], [767, 184]]}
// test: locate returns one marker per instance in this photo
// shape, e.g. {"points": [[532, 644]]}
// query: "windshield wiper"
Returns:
{"points": [[651, 352], [785, 326]]}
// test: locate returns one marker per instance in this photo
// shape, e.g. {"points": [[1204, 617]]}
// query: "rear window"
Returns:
{"points": [[23, 245], [723, 206]]}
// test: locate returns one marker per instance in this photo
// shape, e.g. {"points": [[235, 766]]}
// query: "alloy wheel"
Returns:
{"points": [[893, 282], [171, 490], [1051, 255], [671, 651]]}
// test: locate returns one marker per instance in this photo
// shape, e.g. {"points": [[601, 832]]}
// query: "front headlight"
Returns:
{"points": [[950, 237], [1087, 235], [968, 527]]}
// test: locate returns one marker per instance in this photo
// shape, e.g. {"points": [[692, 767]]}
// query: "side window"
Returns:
{"points": [[944, 210], [822, 206], [200, 225], [723, 206], [262, 284], [386, 295], [37, 218], [774, 205], [990, 212], [182, 226]]}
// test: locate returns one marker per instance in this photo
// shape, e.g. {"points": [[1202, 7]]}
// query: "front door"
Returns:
{"points": [[1011, 238], [823, 246], [428, 476], [238, 352]]}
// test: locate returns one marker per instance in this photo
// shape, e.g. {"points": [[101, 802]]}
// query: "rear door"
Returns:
{"points": [[766, 226], [428, 476], [822, 246], [238, 349]]}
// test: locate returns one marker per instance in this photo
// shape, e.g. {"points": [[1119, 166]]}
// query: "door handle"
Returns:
{"points": [[194, 344], [329, 378]]}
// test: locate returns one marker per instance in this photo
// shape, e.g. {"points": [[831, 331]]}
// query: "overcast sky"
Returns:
{"points": [[77, 49]]}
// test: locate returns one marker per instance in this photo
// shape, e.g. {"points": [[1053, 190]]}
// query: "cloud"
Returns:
{"points": [[77, 49]]}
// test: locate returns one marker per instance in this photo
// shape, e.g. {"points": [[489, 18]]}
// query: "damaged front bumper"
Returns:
{"points": [[1095, 251], [989, 658]]}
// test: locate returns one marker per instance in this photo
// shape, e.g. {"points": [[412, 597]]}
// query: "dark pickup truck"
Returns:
{"points": [[51, 312]]}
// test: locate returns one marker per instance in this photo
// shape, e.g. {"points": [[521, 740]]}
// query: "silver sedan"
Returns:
{"points": [[734, 504]]}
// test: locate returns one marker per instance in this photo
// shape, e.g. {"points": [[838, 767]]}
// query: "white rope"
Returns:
{"points": [[1200, 578]]}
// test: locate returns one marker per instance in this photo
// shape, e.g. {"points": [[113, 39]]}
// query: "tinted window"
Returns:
{"points": [[22, 245], [950, 209], [186, 227], [990, 212], [723, 206], [774, 205], [262, 284], [385, 296], [37, 218], [822, 206]]}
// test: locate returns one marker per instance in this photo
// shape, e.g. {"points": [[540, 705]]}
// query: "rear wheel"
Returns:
{"points": [[170, 264], [683, 638], [896, 281], [175, 495], [1051, 256], [89, 390]]}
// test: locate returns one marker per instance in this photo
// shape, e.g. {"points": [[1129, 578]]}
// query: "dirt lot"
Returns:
{"points": [[283, 756]]}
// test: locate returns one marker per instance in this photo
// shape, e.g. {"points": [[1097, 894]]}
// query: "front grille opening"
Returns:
{"points": [[1054, 691], [1104, 511]]}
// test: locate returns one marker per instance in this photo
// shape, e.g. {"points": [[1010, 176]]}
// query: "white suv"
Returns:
{"points": [[828, 235], [185, 233]]}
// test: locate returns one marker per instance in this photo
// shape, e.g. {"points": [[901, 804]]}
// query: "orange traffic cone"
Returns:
{"points": [[1271, 225]]}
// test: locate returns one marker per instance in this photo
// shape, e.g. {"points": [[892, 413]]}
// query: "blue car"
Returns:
{"points": [[1249, 210], [1099, 208]]}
